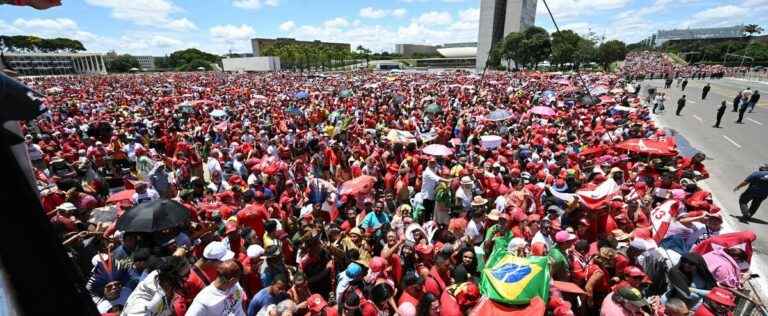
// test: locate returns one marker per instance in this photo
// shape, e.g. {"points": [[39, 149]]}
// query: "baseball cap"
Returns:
{"points": [[721, 296], [564, 236], [316, 303], [217, 250], [635, 272], [254, 251], [66, 206], [633, 296]]}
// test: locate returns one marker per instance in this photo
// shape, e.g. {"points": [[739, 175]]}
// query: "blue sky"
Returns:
{"points": [[159, 27]]}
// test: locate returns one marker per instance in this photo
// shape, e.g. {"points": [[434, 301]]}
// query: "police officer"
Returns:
{"points": [[705, 91], [720, 112], [750, 199], [680, 105]]}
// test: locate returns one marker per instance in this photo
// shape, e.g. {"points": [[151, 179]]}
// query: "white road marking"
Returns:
{"points": [[756, 122], [694, 102], [732, 142], [698, 118]]}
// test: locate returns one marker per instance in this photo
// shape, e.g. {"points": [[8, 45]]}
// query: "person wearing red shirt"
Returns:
{"points": [[411, 293], [251, 263], [439, 276], [254, 214], [718, 302], [202, 273]]}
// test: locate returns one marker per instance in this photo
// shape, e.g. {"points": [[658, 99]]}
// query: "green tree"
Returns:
{"points": [[513, 50], [123, 63], [611, 51], [537, 46], [364, 53], [195, 65], [162, 63], [180, 58], [565, 47]]}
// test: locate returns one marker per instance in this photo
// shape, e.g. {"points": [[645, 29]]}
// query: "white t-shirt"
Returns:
{"points": [[474, 231], [212, 301], [147, 196]]}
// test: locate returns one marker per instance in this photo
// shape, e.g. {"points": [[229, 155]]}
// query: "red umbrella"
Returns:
{"points": [[360, 185], [596, 150], [648, 147], [118, 197], [486, 306]]}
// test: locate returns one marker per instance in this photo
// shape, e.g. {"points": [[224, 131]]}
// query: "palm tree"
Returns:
{"points": [[752, 29]]}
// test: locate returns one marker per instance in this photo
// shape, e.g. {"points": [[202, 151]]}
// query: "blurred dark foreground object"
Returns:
{"points": [[37, 4], [32, 255]]}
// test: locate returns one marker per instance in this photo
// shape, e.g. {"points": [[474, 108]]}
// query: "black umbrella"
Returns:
{"points": [[153, 216]]}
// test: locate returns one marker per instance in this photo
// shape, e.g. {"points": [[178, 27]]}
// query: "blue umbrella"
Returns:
{"points": [[301, 95], [498, 115]]}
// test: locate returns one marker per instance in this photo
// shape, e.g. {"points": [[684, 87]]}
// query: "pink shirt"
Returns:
{"points": [[725, 270], [610, 308]]}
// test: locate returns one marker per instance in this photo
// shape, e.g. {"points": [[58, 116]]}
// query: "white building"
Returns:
{"points": [[146, 62], [39, 64], [261, 63]]}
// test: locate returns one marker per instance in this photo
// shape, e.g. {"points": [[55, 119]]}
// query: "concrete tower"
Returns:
{"points": [[499, 18]]}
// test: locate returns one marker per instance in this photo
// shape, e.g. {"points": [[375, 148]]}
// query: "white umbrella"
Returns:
{"points": [[437, 150], [218, 113]]}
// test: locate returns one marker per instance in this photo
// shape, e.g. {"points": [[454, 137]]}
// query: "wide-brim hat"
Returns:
{"points": [[479, 201]]}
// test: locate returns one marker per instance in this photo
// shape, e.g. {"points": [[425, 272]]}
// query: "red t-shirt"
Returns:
{"points": [[434, 283], [253, 215]]}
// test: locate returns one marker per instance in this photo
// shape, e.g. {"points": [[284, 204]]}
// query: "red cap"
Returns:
{"points": [[424, 249], [721, 296], [316, 303]]}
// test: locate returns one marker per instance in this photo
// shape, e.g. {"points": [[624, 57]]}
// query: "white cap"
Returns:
{"points": [[66, 206], [254, 251], [217, 250]]}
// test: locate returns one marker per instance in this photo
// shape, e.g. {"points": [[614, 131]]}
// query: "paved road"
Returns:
{"points": [[733, 151]]}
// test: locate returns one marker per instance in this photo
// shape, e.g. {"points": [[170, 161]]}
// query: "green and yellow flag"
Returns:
{"points": [[514, 280]]}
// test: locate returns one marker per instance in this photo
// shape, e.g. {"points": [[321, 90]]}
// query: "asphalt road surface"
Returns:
{"points": [[733, 151]]}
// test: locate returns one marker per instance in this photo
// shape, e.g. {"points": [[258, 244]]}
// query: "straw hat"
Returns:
{"points": [[479, 201]]}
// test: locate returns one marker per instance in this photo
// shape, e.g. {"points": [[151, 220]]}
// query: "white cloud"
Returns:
{"points": [[435, 18], [181, 25], [231, 33], [142, 12], [383, 37], [399, 13], [46, 24], [453, 1], [569, 9], [336, 23], [287, 26], [371, 13], [155, 13], [254, 4], [717, 16], [162, 41]]}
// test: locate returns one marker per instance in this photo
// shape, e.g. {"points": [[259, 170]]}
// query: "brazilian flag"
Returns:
{"points": [[514, 280]]}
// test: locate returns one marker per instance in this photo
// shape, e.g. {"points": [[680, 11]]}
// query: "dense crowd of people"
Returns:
{"points": [[377, 194], [655, 65]]}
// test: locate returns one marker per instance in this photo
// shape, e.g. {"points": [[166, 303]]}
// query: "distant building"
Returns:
{"points": [[499, 18], [450, 50], [40, 64], [146, 62], [699, 33], [261, 44], [251, 64], [408, 50]]}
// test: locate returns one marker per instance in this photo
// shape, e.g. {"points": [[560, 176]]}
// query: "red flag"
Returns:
{"points": [[600, 196], [741, 240], [662, 216]]}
